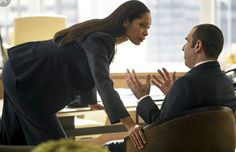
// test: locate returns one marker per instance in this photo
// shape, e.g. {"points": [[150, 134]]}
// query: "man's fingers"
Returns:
{"points": [[129, 77], [174, 77], [156, 80], [161, 74], [156, 84], [134, 76], [148, 80], [166, 73], [127, 74]]}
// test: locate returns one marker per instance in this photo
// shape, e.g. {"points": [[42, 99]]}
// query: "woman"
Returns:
{"points": [[41, 78]]}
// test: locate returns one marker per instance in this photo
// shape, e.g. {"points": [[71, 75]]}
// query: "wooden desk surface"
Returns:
{"points": [[68, 118]]}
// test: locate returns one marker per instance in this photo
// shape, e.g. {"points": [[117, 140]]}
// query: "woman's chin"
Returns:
{"points": [[136, 42]]}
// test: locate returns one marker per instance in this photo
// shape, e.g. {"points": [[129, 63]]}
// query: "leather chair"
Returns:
{"points": [[206, 129]]}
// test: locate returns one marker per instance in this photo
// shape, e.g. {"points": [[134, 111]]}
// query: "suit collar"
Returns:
{"points": [[202, 62], [205, 67]]}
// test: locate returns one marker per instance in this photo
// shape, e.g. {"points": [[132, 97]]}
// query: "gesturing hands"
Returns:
{"points": [[138, 88], [166, 83]]}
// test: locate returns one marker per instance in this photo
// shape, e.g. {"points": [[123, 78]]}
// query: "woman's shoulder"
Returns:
{"points": [[100, 34], [106, 37]]}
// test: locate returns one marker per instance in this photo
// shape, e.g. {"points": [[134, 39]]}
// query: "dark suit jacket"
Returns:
{"points": [[204, 85], [49, 77]]}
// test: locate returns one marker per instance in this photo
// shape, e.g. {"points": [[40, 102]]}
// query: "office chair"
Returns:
{"points": [[206, 129], [36, 28]]}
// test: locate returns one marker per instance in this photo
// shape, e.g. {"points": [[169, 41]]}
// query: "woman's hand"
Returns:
{"points": [[96, 106], [137, 136], [135, 132], [166, 82]]}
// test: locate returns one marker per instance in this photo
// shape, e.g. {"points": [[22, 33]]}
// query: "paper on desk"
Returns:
{"points": [[130, 100]]}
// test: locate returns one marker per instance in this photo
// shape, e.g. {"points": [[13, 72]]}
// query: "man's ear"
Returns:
{"points": [[198, 46], [126, 23]]}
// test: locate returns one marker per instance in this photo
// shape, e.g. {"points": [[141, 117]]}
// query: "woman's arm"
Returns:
{"points": [[98, 48]]}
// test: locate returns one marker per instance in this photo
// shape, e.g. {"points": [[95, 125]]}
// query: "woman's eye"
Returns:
{"points": [[142, 25]]}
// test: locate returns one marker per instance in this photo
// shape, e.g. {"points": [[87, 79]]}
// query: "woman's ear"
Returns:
{"points": [[126, 23]]}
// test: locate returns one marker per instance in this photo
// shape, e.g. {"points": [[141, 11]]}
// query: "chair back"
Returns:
{"points": [[35, 28], [207, 129]]}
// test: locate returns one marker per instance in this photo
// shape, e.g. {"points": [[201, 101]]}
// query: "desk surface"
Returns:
{"points": [[97, 122], [73, 111], [126, 95], [69, 115]]}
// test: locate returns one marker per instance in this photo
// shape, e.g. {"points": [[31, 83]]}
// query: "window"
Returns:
{"points": [[226, 20], [171, 22], [8, 13]]}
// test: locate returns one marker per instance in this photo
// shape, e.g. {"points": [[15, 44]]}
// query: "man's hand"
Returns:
{"points": [[96, 106], [137, 87], [166, 82]]}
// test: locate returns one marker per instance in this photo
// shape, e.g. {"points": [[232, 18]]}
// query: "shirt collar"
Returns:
{"points": [[199, 63]]}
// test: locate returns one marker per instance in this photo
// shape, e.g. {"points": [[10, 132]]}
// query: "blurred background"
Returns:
{"points": [[171, 22]]}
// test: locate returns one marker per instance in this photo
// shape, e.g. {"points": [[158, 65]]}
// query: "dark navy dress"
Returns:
{"points": [[40, 79]]}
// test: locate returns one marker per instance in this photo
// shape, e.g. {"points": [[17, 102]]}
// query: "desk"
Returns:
{"points": [[68, 116], [67, 119]]}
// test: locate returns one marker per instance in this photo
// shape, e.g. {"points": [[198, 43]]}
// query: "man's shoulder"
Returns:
{"points": [[191, 77], [186, 81]]}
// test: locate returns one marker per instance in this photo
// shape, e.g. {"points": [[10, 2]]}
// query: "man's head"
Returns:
{"points": [[204, 42]]}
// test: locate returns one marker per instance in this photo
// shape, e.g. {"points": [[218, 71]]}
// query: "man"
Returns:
{"points": [[204, 85]]}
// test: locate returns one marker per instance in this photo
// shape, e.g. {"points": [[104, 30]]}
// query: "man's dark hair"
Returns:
{"points": [[211, 37]]}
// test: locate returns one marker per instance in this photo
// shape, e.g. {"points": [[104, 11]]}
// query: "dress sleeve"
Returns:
{"points": [[98, 47], [89, 97]]}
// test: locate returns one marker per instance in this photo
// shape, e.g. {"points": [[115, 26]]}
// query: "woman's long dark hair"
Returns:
{"points": [[112, 24]]}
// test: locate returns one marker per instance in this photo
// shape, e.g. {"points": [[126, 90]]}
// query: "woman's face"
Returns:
{"points": [[137, 30]]}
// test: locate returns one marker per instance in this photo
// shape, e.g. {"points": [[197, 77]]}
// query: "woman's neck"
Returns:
{"points": [[121, 39]]}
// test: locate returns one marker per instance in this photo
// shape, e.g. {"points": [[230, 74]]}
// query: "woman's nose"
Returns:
{"points": [[183, 47], [146, 33]]}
